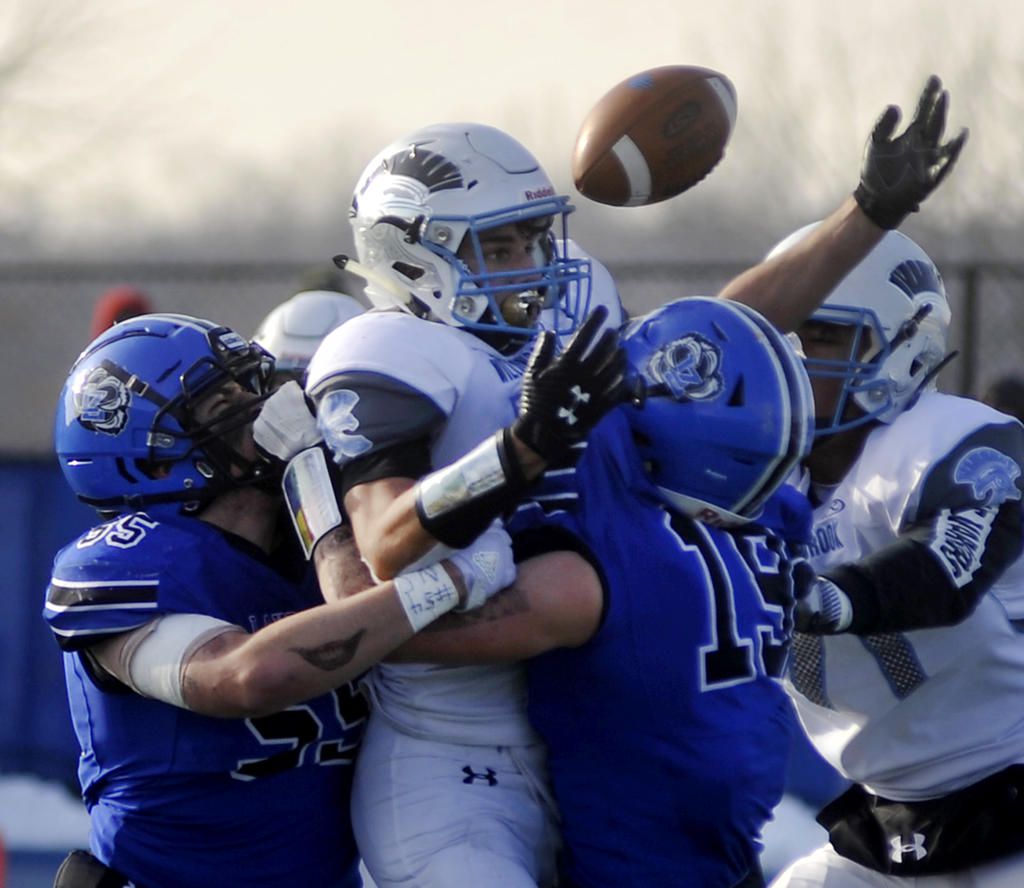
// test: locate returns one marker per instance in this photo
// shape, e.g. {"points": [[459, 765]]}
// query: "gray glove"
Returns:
{"points": [[286, 424], [486, 564], [898, 173]]}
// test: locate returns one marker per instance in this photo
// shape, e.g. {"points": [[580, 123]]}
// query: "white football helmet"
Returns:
{"points": [[418, 201], [896, 300], [295, 328]]}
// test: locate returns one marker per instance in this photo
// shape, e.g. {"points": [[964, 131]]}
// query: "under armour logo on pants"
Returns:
{"points": [[489, 776]]}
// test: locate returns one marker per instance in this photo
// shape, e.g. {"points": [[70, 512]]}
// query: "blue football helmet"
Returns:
{"points": [[436, 190], [125, 432], [728, 412], [895, 302]]}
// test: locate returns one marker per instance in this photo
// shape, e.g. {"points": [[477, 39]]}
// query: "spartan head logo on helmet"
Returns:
{"points": [[101, 402], [688, 367]]}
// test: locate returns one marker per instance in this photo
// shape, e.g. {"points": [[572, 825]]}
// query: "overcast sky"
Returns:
{"points": [[127, 117]]}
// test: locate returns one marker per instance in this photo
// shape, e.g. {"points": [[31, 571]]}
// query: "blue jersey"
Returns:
{"points": [[668, 731], [177, 798]]}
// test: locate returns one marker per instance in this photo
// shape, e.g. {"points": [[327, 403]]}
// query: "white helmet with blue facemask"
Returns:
{"points": [[430, 195], [895, 301]]}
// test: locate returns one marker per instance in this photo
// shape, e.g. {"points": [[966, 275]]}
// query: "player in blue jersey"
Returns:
{"points": [[210, 686], [656, 603]]}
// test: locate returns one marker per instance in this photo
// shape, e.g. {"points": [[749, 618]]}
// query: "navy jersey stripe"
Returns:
{"points": [[62, 595]]}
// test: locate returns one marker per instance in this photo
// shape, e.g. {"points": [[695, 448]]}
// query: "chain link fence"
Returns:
{"points": [[45, 312]]}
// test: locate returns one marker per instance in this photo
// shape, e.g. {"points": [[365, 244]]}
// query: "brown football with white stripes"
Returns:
{"points": [[654, 135]]}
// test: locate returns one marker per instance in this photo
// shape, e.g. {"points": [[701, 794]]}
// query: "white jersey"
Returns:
{"points": [[917, 714], [477, 390]]}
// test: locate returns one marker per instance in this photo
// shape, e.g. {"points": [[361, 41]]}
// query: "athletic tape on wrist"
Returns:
{"points": [[310, 497], [456, 504], [426, 595]]}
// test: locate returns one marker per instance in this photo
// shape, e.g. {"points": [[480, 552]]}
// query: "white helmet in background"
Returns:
{"points": [[419, 200], [896, 300], [293, 331]]}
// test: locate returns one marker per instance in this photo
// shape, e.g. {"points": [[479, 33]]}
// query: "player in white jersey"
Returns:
{"points": [[909, 673], [464, 221], [458, 225]]}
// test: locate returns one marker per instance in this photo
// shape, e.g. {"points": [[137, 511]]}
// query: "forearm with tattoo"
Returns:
{"points": [[331, 655]]}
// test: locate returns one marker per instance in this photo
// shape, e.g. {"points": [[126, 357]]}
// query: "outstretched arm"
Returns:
{"points": [[897, 174], [787, 288]]}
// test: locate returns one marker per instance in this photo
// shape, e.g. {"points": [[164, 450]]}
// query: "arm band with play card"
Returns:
{"points": [[309, 485], [457, 503]]}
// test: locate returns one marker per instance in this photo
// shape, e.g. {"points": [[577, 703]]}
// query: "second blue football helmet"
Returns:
{"points": [[126, 433], [728, 411]]}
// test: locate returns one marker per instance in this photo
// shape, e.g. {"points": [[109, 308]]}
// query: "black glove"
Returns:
{"points": [[564, 397], [898, 173]]}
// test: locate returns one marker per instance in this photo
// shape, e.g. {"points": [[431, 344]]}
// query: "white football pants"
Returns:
{"points": [[439, 815]]}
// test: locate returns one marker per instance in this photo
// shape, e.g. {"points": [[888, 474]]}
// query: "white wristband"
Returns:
{"points": [[310, 498], [426, 595]]}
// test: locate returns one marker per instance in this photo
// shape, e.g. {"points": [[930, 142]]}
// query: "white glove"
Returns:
{"points": [[286, 425], [486, 565], [825, 609]]}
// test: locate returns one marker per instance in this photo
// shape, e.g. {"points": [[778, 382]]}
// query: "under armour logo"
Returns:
{"points": [[489, 776], [578, 397], [900, 847]]}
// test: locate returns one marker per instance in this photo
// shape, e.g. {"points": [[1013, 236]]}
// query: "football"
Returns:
{"points": [[654, 135]]}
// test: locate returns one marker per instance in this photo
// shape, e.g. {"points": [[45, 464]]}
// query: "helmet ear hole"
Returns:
{"points": [[122, 470], [738, 396], [412, 272], [152, 468]]}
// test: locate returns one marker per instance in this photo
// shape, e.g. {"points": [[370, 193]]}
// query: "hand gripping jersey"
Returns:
{"points": [[177, 798], [386, 380], [918, 714], [668, 731]]}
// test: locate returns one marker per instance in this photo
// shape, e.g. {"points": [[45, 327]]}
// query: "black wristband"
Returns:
{"points": [[886, 217]]}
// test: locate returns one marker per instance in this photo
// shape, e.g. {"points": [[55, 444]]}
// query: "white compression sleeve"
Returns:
{"points": [[154, 658]]}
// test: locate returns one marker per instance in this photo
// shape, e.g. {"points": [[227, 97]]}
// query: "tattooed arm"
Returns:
{"points": [[301, 656], [340, 569], [556, 601], [215, 668]]}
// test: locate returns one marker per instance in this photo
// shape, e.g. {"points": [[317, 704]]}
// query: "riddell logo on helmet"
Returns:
{"points": [[546, 191]]}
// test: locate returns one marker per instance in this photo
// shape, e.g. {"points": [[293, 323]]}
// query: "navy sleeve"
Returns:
{"points": [[967, 531], [376, 427]]}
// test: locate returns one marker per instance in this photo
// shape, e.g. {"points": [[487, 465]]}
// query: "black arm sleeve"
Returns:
{"points": [[969, 530]]}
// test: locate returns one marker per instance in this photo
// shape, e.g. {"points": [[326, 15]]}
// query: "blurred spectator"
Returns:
{"points": [[118, 304], [1006, 394]]}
